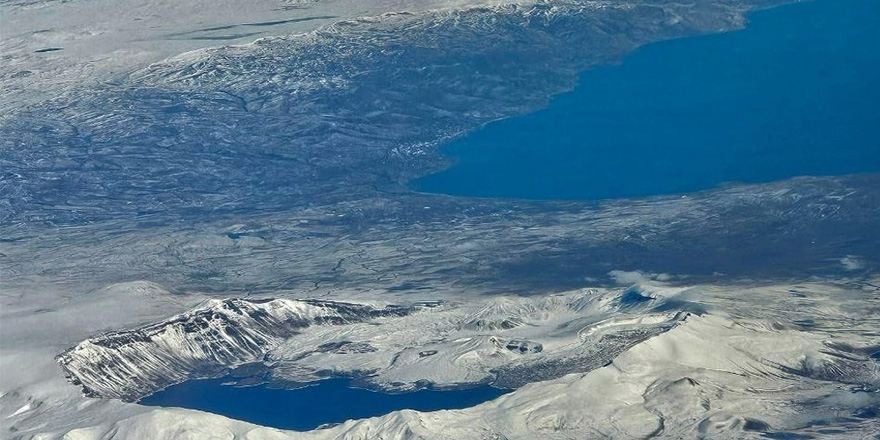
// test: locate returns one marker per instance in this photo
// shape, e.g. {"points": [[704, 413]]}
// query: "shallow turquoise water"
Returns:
{"points": [[327, 401], [795, 93]]}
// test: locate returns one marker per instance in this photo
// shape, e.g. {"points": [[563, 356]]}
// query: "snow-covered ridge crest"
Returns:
{"points": [[505, 341], [131, 364]]}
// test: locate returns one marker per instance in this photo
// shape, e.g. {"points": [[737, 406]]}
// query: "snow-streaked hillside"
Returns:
{"points": [[64, 44], [131, 364], [738, 371], [747, 364], [250, 159], [417, 344]]}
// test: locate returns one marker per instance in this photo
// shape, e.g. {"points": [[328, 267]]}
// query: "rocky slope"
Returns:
{"points": [[130, 364]]}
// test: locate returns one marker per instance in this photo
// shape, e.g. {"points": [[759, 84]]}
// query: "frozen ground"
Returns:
{"points": [[49, 46], [768, 356], [147, 149], [743, 362]]}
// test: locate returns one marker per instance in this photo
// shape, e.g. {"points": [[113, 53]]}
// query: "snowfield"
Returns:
{"points": [[249, 161], [724, 372]]}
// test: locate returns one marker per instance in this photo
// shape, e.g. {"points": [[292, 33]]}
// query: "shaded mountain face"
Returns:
{"points": [[224, 333]]}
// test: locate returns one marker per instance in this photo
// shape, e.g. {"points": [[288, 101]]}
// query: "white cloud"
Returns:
{"points": [[852, 262], [637, 277]]}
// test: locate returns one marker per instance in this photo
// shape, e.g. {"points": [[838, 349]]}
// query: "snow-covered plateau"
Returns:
{"points": [[648, 360], [250, 162]]}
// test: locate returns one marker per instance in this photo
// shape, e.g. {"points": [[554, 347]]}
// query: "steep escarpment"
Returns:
{"points": [[131, 364]]}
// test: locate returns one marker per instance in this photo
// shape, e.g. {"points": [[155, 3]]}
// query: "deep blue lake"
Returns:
{"points": [[795, 93], [328, 401]]}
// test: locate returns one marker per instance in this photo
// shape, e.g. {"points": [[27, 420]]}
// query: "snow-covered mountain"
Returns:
{"points": [[225, 149], [222, 333], [601, 372], [390, 348]]}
